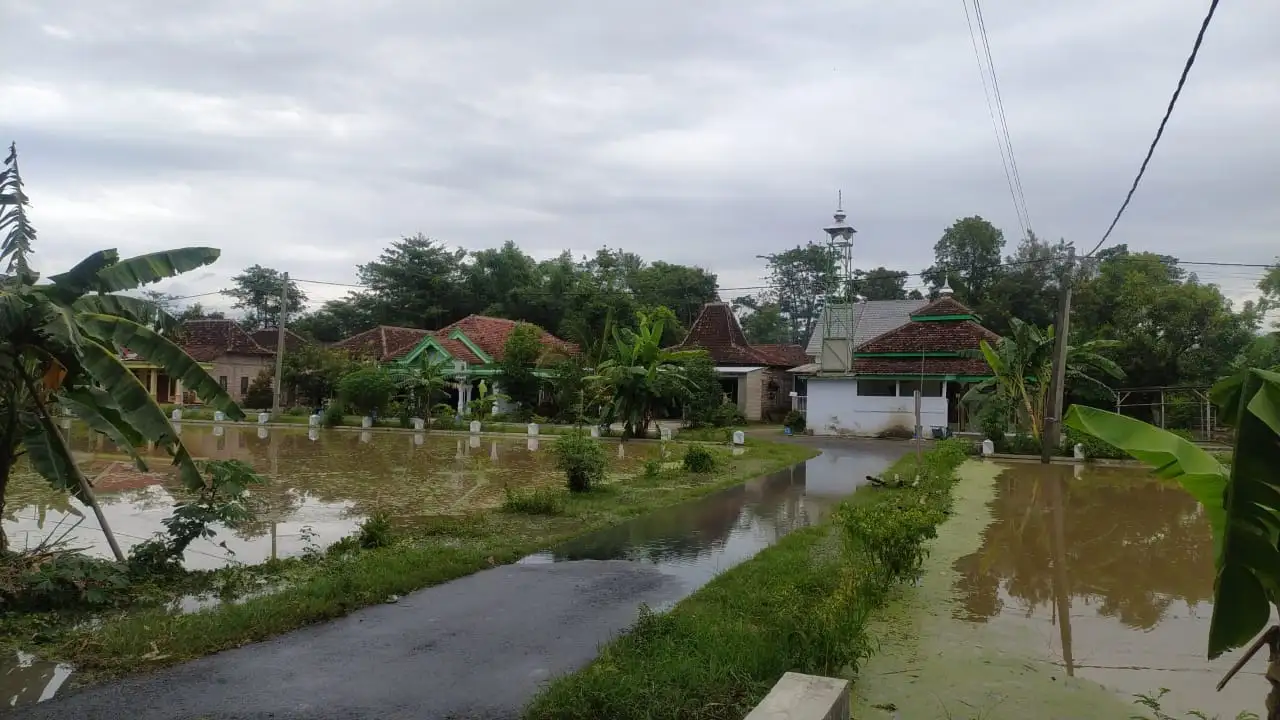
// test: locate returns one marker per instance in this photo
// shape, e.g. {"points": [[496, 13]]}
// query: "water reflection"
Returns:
{"points": [[320, 483], [26, 680], [696, 541], [1113, 570]]}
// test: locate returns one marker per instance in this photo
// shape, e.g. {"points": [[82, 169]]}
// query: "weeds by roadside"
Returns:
{"points": [[1152, 702], [542, 501]]}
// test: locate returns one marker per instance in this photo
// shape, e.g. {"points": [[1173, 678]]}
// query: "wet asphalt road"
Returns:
{"points": [[476, 647]]}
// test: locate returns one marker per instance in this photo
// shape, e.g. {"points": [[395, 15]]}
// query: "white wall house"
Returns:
{"points": [[840, 406]]}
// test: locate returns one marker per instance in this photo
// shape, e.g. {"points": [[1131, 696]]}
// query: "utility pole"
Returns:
{"points": [[1051, 427], [278, 395]]}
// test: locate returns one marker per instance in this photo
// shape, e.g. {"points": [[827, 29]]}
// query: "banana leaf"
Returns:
{"points": [[84, 276], [143, 312], [96, 408], [48, 457], [145, 269], [156, 348], [137, 407], [1241, 507]]}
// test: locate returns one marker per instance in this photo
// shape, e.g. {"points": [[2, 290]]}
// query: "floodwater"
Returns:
{"points": [[1111, 572], [696, 541], [320, 485]]}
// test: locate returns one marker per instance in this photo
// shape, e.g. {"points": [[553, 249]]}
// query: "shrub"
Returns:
{"points": [[795, 420], [582, 459], [47, 579], [891, 538], [1093, 447], [333, 414], [652, 468], [699, 459], [897, 432], [542, 501], [728, 415], [260, 395], [994, 420], [376, 532], [366, 391]]}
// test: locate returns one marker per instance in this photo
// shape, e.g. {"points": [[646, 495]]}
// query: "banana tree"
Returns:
{"points": [[1022, 362], [421, 383], [60, 348], [641, 377], [1242, 505]]}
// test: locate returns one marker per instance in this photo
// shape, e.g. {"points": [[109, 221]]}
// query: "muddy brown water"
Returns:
{"points": [[1111, 570]]}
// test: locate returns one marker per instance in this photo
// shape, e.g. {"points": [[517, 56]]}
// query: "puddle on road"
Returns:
{"points": [[321, 484], [25, 680], [1111, 572], [696, 541]]}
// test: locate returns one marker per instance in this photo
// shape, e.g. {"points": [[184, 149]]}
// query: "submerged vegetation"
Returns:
{"points": [[801, 605]]}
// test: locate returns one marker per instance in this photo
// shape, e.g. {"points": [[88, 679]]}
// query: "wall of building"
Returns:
{"points": [[749, 394], [234, 367], [835, 408]]}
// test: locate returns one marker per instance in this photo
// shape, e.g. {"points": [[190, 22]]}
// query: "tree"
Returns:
{"points": [[763, 324], [60, 344], [681, 288], [642, 378], [257, 292], [420, 384], [879, 284], [1270, 287], [520, 357], [416, 282], [338, 319], [314, 372], [673, 331], [196, 311], [1022, 365], [366, 391], [260, 395], [968, 258], [1027, 288], [1241, 504], [705, 396], [799, 280], [499, 282]]}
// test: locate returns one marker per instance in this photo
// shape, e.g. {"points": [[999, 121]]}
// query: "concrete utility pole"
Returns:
{"points": [[1052, 425], [278, 395]]}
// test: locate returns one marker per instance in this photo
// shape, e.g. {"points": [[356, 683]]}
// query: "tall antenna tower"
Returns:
{"points": [[840, 245]]}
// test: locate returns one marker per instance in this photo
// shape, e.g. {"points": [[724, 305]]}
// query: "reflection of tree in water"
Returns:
{"points": [[690, 530], [1132, 545], [23, 679]]}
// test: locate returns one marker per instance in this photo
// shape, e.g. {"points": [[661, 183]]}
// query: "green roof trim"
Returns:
{"points": [[902, 376], [460, 336], [939, 353], [943, 318], [427, 342]]}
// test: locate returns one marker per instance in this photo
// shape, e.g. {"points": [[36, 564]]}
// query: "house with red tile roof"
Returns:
{"points": [[871, 390], [754, 377], [269, 338], [225, 351], [472, 346]]}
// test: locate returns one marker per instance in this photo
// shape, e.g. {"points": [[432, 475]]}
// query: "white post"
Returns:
{"points": [[595, 431], [366, 422], [988, 447], [219, 416], [1078, 451], [365, 436], [533, 429], [313, 434], [313, 421], [418, 423], [533, 444], [475, 427], [739, 437], [176, 414], [263, 418], [262, 433]]}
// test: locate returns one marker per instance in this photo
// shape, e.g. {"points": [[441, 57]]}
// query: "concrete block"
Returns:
{"points": [[475, 426], [595, 431], [176, 414], [739, 437], [1078, 451], [988, 448], [313, 420], [366, 422], [804, 697], [419, 424], [264, 418], [533, 429], [219, 416]]}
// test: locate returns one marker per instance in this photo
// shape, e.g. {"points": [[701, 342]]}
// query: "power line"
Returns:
{"points": [[1004, 121], [995, 124], [1182, 80]]}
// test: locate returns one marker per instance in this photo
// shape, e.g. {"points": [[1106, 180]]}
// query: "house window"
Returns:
{"points": [[929, 388], [222, 380], [877, 388], [244, 385]]}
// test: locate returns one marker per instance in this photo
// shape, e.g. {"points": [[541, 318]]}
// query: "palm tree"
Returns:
{"points": [[421, 384], [641, 377], [1022, 364], [60, 347]]}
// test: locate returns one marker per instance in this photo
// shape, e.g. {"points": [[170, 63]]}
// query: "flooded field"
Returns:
{"points": [[321, 484], [1059, 591]]}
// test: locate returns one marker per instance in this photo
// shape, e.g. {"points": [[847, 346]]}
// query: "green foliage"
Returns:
{"points": [[879, 284], [314, 371], [376, 532], [641, 379], [481, 406], [699, 459], [520, 357], [1241, 503], [257, 292], [333, 414], [799, 278], [582, 459], [1093, 446], [652, 468], [366, 390], [896, 432], [764, 324], [218, 502], [540, 501], [967, 257], [59, 579], [993, 418], [419, 385], [890, 538], [795, 420], [704, 396], [728, 415], [260, 395]]}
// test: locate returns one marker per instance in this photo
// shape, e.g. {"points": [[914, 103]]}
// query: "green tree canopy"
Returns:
{"points": [[257, 293]]}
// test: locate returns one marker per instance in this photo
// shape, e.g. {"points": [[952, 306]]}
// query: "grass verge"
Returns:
{"points": [[323, 586], [801, 605]]}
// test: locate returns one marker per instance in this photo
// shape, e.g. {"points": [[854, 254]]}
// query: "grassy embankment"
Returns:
{"points": [[146, 634], [801, 605]]}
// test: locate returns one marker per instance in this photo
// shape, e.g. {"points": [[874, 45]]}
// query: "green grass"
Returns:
{"points": [[801, 605], [320, 587]]}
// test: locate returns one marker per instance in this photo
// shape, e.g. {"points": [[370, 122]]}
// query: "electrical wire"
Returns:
{"points": [[1182, 80], [1004, 121]]}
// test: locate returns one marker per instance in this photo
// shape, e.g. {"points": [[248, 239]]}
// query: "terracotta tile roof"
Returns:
{"points": [[458, 349], [930, 336], [383, 343], [788, 355], [490, 335], [945, 305], [865, 320], [717, 331], [269, 337], [913, 366], [207, 340]]}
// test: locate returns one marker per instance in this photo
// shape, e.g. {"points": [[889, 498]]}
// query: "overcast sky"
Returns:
{"points": [[305, 135]]}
